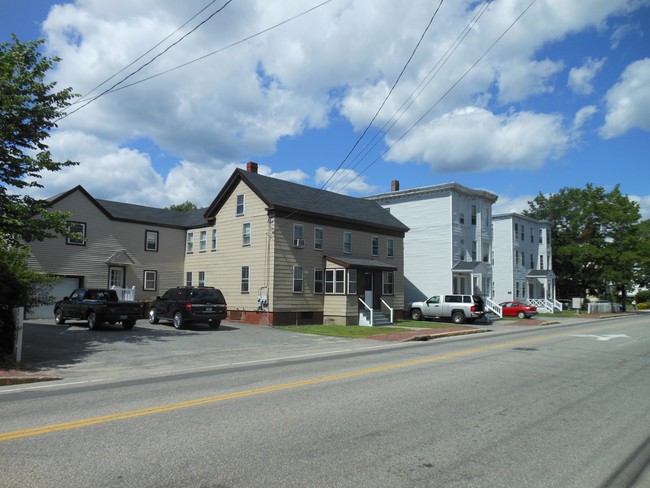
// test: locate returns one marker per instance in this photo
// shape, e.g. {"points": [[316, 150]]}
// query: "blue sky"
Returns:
{"points": [[561, 99]]}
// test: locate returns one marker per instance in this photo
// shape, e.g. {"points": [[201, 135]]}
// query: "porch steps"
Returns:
{"points": [[378, 318]]}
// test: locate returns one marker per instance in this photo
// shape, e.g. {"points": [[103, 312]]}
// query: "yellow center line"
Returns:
{"points": [[77, 424]]}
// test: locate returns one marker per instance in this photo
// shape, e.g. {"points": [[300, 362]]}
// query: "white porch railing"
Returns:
{"points": [[389, 308], [124, 294], [549, 306], [371, 313], [493, 306]]}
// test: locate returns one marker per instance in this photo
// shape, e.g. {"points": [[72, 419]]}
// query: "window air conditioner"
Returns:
{"points": [[298, 243]]}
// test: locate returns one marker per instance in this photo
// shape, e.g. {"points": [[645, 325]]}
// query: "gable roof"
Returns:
{"points": [[287, 197], [141, 214]]}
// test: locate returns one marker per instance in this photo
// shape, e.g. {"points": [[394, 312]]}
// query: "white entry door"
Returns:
{"points": [[368, 287]]}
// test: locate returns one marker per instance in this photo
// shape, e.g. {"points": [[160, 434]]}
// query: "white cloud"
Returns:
{"points": [[474, 139], [628, 101], [508, 204], [581, 79], [336, 62], [343, 181], [584, 114], [644, 205]]}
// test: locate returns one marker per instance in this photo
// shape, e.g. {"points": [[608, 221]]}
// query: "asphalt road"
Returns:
{"points": [[247, 407]]}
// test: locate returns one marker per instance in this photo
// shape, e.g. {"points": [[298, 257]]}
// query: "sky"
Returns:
{"points": [[516, 97]]}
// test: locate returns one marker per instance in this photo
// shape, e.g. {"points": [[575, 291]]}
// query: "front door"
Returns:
{"points": [[368, 286], [116, 277]]}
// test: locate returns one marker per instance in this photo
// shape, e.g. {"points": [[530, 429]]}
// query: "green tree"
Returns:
{"points": [[29, 109], [183, 207], [595, 239]]}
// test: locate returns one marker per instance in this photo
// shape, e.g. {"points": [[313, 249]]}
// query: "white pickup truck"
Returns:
{"points": [[458, 308]]}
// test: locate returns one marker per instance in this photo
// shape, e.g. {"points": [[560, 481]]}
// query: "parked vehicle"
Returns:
{"points": [[518, 309], [97, 305], [566, 303], [458, 308], [187, 304]]}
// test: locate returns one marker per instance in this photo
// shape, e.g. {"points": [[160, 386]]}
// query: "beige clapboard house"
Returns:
{"points": [[282, 253]]}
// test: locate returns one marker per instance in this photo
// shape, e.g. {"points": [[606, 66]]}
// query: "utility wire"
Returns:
{"points": [[374, 117], [426, 81], [81, 100], [149, 62], [241, 41], [376, 113], [444, 95]]}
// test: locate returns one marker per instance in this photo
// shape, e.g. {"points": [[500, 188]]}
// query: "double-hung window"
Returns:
{"points": [[375, 246], [335, 281], [319, 236], [240, 205], [201, 278], [214, 239], [347, 242], [151, 240], [388, 283], [298, 235], [246, 234], [77, 228], [297, 279], [150, 280], [203, 241], [245, 279], [189, 248], [390, 248], [319, 280], [188, 278]]}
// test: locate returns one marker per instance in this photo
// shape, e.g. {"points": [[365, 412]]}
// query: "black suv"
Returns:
{"points": [[187, 304]]}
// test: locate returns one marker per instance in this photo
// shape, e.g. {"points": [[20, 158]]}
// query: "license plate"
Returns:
{"points": [[208, 309], [124, 317]]}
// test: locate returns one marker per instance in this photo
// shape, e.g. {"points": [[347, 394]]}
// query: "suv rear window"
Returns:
{"points": [[211, 295]]}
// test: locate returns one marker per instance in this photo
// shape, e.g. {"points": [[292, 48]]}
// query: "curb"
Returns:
{"points": [[426, 337], [19, 378]]}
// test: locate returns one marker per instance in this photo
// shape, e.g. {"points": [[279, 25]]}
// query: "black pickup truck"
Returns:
{"points": [[97, 305]]}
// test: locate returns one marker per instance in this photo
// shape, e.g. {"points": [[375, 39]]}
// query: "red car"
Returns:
{"points": [[517, 309]]}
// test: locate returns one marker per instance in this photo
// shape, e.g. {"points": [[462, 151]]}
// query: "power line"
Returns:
{"points": [[241, 41], [144, 54], [374, 117], [444, 95], [149, 62], [426, 81]]}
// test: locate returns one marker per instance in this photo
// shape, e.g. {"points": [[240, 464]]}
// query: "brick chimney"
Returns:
{"points": [[394, 185], [251, 167]]}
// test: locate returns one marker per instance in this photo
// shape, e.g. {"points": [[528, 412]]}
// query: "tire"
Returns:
{"points": [[153, 318], [128, 324], [59, 319], [178, 320], [458, 318], [521, 315], [416, 314], [215, 324], [93, 321]]}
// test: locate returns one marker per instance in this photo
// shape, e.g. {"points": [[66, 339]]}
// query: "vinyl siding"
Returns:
{"points": [[104, 238], [223, 266], [503, 267]]}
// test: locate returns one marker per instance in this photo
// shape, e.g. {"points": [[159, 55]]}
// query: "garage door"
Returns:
{"points": [[62, 288]]}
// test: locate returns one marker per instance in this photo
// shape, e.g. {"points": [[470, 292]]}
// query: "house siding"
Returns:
{"points": [[437, 239], [105, 237]]}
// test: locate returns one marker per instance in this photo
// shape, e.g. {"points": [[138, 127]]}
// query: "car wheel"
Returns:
{"points": [[416, 314], [458, 318], [215, 324], [58, 317], [128, 324], [153, 318], [178, 320], [93, 321], [521, 315]]}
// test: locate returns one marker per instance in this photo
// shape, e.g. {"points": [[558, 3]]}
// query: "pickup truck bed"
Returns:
{"points": [[97, 306]]}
